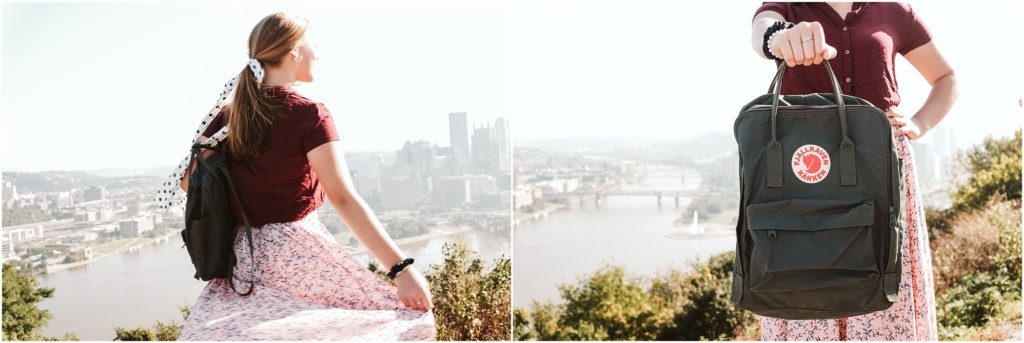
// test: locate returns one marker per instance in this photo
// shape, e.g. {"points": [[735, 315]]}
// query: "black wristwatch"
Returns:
{"points": [[399, 267], [776, 27]]}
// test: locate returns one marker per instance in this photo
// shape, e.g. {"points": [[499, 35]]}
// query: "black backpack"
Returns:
{"points": [[210, 224], [819, 228]]}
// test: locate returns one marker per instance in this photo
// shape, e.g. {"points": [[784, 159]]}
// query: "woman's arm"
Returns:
{"points": [[930, 63], [790, 43], [329, 165]]}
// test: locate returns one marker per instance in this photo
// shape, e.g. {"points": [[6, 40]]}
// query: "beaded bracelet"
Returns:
{"points": [[399, 267], [770, 33]]}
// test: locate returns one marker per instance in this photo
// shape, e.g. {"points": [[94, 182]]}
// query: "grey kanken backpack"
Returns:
{"points": [[819, 227]]}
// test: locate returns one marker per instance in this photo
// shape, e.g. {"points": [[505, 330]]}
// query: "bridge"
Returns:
{"points": [[659, 194]]}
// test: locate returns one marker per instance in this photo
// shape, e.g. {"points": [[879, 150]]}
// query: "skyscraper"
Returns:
{"points": [[485, 149], [458, 133], [504, 144]]}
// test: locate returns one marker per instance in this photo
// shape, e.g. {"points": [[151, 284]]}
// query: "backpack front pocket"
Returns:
{"points": [[803, 244]]}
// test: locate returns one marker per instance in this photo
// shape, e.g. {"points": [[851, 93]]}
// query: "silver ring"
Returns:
{"points": [[804, 39]]}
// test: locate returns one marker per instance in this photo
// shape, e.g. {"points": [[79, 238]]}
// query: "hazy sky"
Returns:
{"points": [[672, 69], [97, 85]]}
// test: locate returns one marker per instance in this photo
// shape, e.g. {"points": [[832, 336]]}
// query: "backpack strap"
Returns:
{"points": [[241, 209]]}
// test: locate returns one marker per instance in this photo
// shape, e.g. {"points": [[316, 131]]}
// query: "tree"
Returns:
{"points": [[22, 318], [994, 169], [608, 306], [699, 302], [19, 216]]}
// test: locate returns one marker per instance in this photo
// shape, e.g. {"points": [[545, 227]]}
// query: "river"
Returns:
{"points": [[628, 231]]}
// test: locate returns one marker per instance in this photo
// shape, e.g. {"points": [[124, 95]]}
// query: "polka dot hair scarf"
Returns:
{"points": [[169, 193]]}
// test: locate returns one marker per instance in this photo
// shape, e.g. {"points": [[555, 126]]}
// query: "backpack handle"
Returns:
{"points": [[847, 155]]}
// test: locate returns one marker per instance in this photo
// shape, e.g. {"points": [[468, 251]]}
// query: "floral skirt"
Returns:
{"points": [[307, 288], [912, 316]]}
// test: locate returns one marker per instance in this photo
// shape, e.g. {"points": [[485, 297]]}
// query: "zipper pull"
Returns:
{"points": [[771, 235], [892, 218]]}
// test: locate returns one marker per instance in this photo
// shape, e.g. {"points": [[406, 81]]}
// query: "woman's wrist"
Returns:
{"points": [[770, 34], [400, 267]]}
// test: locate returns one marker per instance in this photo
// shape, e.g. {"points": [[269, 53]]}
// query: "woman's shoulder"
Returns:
{"points": [[894, 8], [302, 108]]}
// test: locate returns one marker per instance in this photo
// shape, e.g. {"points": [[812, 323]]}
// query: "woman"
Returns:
{"points": [[862, 40], [284, 158]]}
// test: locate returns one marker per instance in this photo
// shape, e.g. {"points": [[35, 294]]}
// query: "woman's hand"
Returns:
{"points": [[903, 126], [803, 44], [413, 290]]}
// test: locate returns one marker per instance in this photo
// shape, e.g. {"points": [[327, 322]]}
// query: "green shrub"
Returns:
{"points": [[470, 302], [974, 301], [699, 302], [612, 305]]}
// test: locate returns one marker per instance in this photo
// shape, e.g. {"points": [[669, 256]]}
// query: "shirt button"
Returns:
{"points": [[847, 51], [847, 80], [845, 28]]}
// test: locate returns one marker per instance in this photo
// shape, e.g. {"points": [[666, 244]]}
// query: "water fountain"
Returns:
{"points": [[695, 228]]}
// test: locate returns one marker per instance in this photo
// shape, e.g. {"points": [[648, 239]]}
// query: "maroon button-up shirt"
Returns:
{"points": [[867, 42]]}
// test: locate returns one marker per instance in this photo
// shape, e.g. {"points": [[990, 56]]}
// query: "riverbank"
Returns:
{"points": [[537, 214], [417, 239], [134, 244]]}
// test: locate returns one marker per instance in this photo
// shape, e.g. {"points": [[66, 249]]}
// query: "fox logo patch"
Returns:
{"points": [[811, 163]]}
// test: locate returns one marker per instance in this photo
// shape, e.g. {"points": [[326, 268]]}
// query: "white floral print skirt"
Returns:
{"points": [[307, 288]]}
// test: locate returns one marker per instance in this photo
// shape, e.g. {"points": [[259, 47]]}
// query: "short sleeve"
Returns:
{"points": [[777, 7], [322, 130], [915, 34], [216, 124]]}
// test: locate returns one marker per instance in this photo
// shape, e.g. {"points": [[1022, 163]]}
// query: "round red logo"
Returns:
{"points": [[811, 163]]}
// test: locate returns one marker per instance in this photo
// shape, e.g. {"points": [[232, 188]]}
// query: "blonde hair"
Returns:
{"points": [[252, 112]]}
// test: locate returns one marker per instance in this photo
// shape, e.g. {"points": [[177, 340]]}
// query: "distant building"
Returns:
{"points": [[365, 172], [86, 216], [557, 186], [105, 214], [64, 200], [6, 249], [480, 184], [522, 197], [10, 194], [23, 234], [135, 226], [458, 134], [485, 149], [94, 193], [420, 153], [400, 192], [455, 190], [135, 209]]}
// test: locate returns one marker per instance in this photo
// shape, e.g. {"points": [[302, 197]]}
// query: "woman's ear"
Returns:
{"points": [[295, 54]]}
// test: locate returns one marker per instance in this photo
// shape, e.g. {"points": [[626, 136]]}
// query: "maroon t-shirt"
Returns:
{"points": [[866, 42], [279, 185]]}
